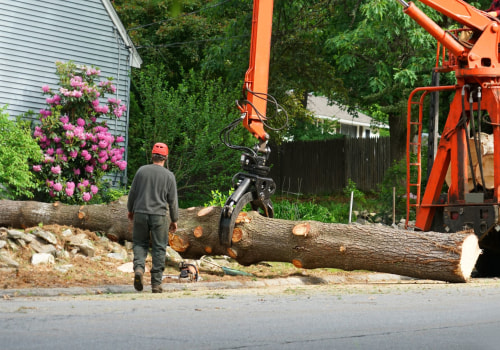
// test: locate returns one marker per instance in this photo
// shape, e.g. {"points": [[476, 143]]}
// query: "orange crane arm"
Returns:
{"points": [[461, 12], [257, 75]]}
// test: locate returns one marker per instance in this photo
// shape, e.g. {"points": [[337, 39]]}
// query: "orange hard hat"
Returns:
{"points": [[160, 148]]}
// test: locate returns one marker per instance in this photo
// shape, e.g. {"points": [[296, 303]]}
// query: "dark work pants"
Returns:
{"points": [[152, 228]]}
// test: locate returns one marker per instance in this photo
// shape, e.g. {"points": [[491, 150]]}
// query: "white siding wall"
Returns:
{"points": [[34, 34]]}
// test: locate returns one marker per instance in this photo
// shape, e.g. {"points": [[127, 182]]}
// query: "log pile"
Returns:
{"points": [[425, 255]]}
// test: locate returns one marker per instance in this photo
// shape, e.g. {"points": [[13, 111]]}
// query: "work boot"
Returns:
{"points": [[156, 288], [138, 280]]}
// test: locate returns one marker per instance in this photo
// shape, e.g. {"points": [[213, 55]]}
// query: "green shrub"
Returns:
{"points": [[297, 211], [16, 148], [218, 198], [395, 177]]}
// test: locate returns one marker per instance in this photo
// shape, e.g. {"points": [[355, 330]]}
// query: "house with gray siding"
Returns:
{"points": [[358, 126], [34, 34]]}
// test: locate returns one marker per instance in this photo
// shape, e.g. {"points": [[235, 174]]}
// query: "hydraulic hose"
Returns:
{"points": [[478, 149], [463, 123]]}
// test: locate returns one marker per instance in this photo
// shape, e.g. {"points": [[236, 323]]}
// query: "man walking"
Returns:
{"points": [[153, 189]]}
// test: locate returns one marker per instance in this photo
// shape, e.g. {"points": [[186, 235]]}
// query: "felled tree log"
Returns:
{"points": [[110, 219], [426, 255]]}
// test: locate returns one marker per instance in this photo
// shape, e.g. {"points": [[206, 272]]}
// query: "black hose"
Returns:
{"points": [[462, 122], [478, 149]]}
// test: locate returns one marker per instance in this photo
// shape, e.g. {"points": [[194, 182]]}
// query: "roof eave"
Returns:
{"points": [[136, 59]]}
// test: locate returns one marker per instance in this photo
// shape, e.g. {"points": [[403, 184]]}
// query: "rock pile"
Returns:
{"points": [[47, 245]]}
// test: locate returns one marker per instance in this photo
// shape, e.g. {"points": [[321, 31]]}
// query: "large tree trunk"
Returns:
{"points": [[429, 255]]}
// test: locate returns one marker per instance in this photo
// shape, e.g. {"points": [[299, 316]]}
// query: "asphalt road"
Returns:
{"points": [[370, 316]]}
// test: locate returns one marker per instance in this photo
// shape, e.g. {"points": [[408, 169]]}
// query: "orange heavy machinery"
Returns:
{"points": [[252, 186], [476, 102]]}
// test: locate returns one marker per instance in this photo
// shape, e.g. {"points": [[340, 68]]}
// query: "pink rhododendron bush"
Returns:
{"points": [[78, 148]]}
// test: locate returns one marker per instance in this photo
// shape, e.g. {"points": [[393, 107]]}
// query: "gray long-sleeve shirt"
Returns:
{"points": [[153, 188]]}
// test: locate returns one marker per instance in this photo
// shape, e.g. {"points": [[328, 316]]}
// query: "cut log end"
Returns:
{"points": [[302, 229], [232, 253], [198, 231], [205, 211], [237, 235], [242, 218], [297, 263], [470, 254], [177, 243]]}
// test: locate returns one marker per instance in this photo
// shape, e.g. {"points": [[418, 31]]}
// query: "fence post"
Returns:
{"points": [[350, 207]]}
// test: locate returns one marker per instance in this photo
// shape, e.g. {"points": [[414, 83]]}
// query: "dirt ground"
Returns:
{"points": [[100, 270]]}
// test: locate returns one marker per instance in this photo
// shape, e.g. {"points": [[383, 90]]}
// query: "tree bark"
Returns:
{"points": [[426, 255]]}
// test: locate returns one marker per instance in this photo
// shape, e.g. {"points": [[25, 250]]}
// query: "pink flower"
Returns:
{"points": [[89, 168], [70, 184], [70, 191], [94, 189], [73, 154], [57, 187], [120, 139], [64, 119], [80, 122], [76, 81], [76, 171], [45, 113], [86, 196], [56, 169], [122, 165], [45, 88], [77, 94], [50, 151], [38, 131], [68, 126], [37, 168]]}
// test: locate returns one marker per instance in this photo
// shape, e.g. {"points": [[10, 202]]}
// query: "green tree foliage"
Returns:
{"points": [[16, 148], [381, 55], [189, 119]]}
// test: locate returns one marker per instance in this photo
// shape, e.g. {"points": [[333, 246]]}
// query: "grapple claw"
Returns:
{"points": [[253, 190]]}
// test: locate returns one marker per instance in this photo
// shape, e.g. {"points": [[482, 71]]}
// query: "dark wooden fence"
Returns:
{"points": [[320, 167]]}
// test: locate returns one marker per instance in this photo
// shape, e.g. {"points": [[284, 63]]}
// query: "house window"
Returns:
{"points": [[367, 133], [349, 130]]}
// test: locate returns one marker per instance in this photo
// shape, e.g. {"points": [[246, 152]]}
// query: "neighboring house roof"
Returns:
{"points": [[323, 109], [136, 60]]}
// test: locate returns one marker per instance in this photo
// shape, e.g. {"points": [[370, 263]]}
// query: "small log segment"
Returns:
{"points": [[309, 245]]}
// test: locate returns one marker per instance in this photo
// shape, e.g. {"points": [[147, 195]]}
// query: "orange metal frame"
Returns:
{"points": [[475, 67]]}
